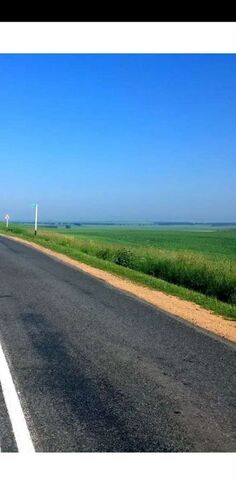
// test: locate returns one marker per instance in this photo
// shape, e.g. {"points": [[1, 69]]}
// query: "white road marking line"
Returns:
{"points": [[19, 426]]}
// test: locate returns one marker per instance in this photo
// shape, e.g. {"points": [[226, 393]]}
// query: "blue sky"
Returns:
{"points": [[118, 137]]}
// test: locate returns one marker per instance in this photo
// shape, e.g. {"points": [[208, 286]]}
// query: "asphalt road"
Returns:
{"points": [[97, 370]]}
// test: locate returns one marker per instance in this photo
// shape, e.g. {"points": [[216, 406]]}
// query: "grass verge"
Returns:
{"points": [[52, 242]]}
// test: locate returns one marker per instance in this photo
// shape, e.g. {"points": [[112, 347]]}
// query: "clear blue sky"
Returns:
{"points": [[118, 137]]}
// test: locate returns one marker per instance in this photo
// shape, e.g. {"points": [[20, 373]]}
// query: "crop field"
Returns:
{"points": [[197, 263], [211, 242]]}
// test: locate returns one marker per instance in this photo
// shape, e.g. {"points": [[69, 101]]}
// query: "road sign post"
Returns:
{"points": [[35, 218], [7, 218]]}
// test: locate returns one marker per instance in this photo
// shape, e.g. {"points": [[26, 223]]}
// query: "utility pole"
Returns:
{"points": [[36, 219]]}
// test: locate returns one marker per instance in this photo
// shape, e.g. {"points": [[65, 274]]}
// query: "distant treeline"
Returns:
{"points": [[213, 224], [78, 224]]}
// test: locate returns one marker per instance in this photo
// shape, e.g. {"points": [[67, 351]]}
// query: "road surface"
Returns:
{"points": [[98, 370]]}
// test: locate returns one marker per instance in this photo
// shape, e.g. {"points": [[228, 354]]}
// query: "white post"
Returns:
{"points": [[36, 219], [7, 219]]}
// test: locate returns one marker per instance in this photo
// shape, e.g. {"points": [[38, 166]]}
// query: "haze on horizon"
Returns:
{"points": [[118, 137]]}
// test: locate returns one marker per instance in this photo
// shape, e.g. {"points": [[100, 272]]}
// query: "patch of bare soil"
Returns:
{"points": [[184, 309]]}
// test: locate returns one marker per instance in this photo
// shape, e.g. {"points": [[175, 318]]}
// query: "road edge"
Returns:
{"points": [[184, 309]]}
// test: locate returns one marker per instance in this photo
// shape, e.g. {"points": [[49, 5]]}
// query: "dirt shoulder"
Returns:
{"points": [[184, 309]]}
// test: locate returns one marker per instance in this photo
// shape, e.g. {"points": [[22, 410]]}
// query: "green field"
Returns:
{"points": [[211, 242], [198, 264]]}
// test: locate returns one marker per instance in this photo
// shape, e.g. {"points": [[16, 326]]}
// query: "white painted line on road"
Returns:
{"points": [[19, 426]]}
